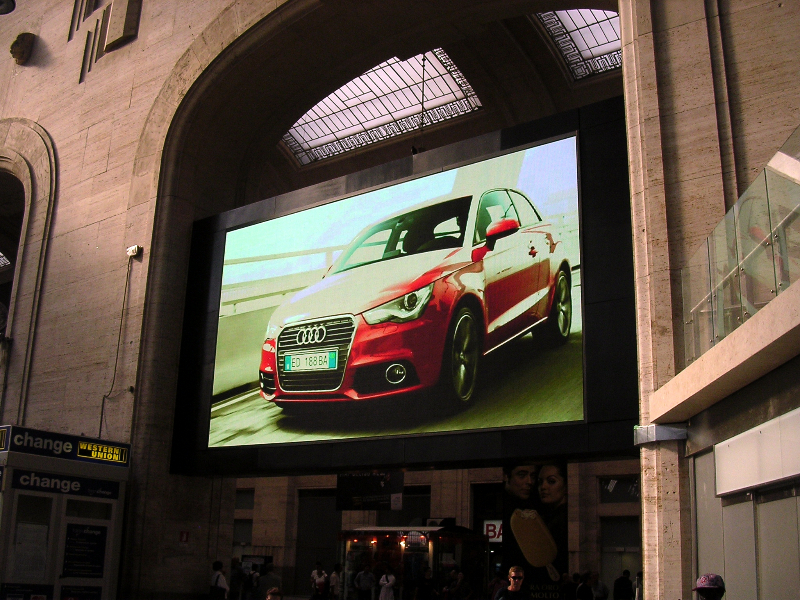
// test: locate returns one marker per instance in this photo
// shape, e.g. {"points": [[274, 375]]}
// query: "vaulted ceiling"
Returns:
{"points": [[232, 122]]}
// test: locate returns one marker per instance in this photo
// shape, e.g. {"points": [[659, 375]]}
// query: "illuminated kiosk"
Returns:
{"points": [[61, 510], [408, 551]]}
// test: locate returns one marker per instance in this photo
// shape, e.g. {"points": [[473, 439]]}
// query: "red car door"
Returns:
{"points": [[511, 271]]}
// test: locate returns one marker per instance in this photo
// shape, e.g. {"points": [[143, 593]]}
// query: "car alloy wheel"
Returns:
{"points": [[561, 312], [463, 352]]}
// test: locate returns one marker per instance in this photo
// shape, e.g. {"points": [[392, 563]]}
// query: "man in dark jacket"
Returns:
{"points": [[623, 588]]}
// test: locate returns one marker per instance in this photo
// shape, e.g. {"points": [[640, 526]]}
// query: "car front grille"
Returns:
{"points": [[338, 334]]}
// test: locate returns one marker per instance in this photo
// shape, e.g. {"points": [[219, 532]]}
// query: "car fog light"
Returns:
{"points": [[395, 374]]}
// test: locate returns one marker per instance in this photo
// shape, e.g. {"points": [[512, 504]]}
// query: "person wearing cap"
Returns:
{"points": [[709, 587]]}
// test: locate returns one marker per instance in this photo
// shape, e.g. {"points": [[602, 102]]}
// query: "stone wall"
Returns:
{"points": [[711, 93]]}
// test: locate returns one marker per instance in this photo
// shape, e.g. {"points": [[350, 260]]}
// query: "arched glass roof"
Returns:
{"points": [[384, 102], [588, 40]]}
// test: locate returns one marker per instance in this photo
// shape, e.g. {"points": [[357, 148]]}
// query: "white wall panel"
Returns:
{"points": [[762, 455]]}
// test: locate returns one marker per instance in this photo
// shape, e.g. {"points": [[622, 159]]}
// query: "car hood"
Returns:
{"points": [[365, 287]]}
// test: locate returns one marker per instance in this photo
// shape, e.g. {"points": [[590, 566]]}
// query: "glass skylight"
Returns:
{"points": [[589, 40], [384, 102]]}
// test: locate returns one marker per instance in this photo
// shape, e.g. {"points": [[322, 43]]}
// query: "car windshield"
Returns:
{"points": [[423, 230]]}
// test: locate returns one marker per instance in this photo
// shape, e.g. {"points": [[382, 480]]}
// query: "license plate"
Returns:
{"points": [[311, 361]]}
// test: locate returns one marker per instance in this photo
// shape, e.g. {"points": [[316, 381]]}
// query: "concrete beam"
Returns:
{"points": [[765, 341]]}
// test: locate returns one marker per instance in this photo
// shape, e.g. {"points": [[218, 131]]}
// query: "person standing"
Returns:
{"points": [[219, 587], [584, 590], [639, 586], [387, 584], [426, 586], [599, 589], [335, 581], [709, 587], [568, 586], [623, 588], [237, 580], [319, 578], [255, 575], [364, 583], [266, 581], [496, 585]]}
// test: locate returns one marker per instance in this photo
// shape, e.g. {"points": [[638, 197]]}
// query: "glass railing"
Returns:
{"points": [[751, 256]]}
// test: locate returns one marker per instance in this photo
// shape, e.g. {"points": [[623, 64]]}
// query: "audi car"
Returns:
{"points": [[416, 300]]}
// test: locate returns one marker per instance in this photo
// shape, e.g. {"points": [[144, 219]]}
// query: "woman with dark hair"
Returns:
{"points": [[552, 488]]}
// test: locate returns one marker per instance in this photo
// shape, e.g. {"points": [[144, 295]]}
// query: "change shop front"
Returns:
{"points": [[61, 508]]}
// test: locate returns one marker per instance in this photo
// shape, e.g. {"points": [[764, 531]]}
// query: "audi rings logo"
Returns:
{"points": [[314, 334]]}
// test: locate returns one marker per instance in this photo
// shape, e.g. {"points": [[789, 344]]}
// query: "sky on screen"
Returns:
{"points": [[547, 174]]}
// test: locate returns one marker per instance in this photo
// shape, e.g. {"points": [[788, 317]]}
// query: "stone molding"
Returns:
{"points": [[28, 153]]}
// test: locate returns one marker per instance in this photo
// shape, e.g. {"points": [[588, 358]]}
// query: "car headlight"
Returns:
{"points": [[272, 331], [402, 309]]}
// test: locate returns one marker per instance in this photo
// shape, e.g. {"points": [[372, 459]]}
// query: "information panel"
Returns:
{"points": [[84, 551]]}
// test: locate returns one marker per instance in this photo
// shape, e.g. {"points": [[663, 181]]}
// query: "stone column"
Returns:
{"points": [[677, 197]]}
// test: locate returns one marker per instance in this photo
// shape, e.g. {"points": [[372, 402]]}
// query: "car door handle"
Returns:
{"points": [[532, 251]]}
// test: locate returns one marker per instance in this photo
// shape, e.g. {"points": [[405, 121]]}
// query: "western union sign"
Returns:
{"points": [[103, 452], [59, 445]]}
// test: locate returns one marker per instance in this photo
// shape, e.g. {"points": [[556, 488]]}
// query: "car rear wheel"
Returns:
{"points": [[560, 319], [462, 352]]}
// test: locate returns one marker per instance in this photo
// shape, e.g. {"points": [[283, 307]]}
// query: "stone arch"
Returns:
{"points": [[165, 199], [166, 160], [27, 153]]}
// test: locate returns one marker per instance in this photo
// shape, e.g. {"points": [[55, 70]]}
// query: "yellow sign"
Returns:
{"points": [[3, 437], [102, 452]]}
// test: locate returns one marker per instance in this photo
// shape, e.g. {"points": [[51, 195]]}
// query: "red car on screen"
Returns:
{"points": [[416, 300]]}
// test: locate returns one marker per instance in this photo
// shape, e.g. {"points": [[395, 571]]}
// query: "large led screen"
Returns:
{"points": [[449, 302]]}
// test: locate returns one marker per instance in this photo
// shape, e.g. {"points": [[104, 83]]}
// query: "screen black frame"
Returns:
{"points": [[609, 319]]}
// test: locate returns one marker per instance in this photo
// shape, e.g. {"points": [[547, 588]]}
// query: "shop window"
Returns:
{"points": [[416, 508], [245, 499], [31, 533], [86, 509], [619, 489], [243, 532]]}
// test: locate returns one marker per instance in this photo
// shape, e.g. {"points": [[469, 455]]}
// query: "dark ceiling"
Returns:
{"points": [[224, 142]]}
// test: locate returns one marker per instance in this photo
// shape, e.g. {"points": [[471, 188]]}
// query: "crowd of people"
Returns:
{"points": [[263, 584], [260, 583]]}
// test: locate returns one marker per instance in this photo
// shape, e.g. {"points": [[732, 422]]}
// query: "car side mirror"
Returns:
{"points": [[500, 229]]}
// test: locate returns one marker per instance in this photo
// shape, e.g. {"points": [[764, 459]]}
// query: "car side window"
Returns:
{"points": [[494, 206], [525, 209]]}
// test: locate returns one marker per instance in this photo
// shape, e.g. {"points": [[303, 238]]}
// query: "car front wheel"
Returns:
{"points": [[461, 356]]}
